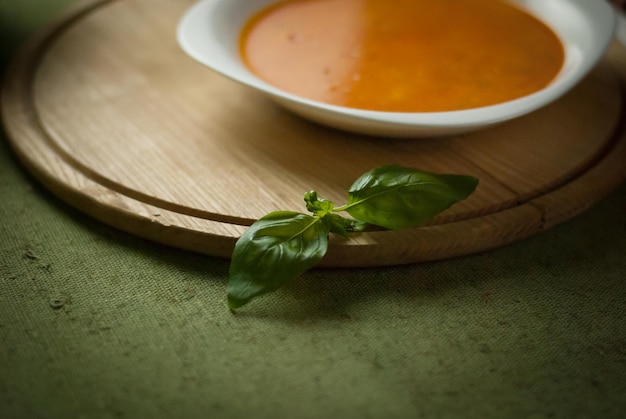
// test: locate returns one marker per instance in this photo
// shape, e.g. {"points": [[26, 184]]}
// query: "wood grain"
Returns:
{"points": [[107, 111]]}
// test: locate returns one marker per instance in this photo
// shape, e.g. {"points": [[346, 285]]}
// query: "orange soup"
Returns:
{"points": [[402, 55]]}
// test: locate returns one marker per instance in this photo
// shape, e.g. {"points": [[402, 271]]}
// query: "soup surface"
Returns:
{"points": [[402, 55]]}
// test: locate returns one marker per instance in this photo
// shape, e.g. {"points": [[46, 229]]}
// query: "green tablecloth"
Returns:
{"points": [[96, 323]]}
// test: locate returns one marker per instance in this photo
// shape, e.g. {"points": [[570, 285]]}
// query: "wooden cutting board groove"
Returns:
{"points": [[106, 111]]}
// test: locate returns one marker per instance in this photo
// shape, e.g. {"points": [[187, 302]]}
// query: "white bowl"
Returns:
{"points": [[210, 30]]}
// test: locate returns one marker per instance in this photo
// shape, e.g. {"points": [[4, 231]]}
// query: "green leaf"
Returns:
{"points": [[316, 205], [342, 226], [323, 208], [397, 197], [273, 251], [282, 245]]}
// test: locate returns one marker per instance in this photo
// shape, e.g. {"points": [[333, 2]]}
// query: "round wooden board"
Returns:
{"points": [[107, 111]]}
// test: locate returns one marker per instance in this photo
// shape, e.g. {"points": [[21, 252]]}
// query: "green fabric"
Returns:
{"points": [[96, 323], [19, 17]]}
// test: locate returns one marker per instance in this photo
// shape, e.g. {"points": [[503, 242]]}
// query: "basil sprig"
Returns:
{"points": [[282, 245]]}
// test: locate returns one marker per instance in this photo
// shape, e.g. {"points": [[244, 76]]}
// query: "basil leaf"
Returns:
{"points": [[397, 197], [316, 205], [273, 251], [342, 226]]}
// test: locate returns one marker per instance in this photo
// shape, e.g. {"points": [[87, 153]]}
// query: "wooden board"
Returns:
{"points": [[107, 111]]}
